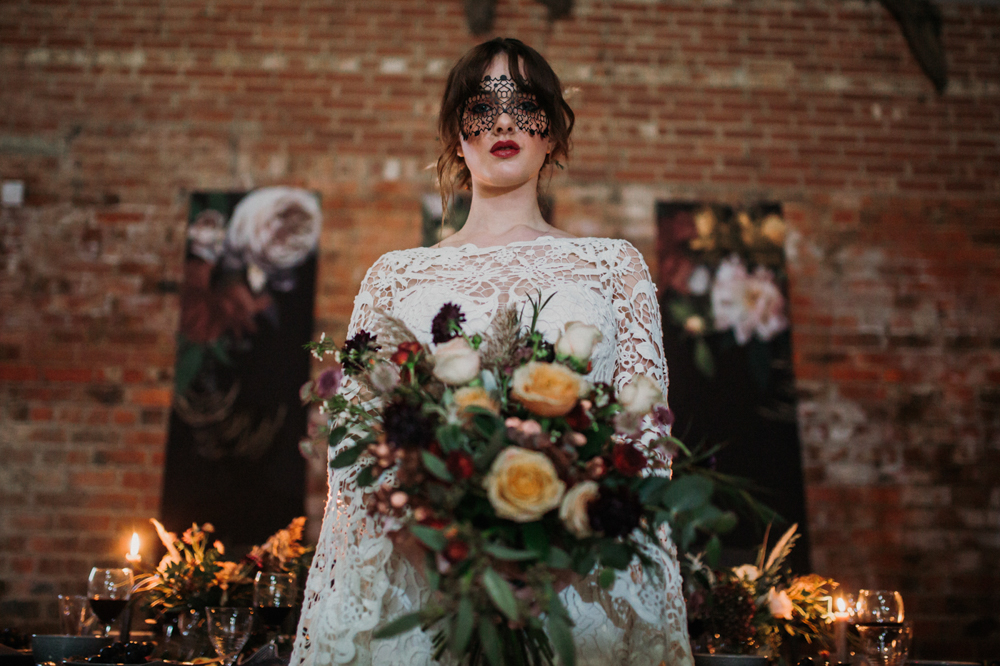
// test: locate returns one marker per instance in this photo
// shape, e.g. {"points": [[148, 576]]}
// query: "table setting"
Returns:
{"points": [[195, 606]]}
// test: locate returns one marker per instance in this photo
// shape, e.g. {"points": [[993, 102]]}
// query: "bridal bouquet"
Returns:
{"points": [[511, 473]]}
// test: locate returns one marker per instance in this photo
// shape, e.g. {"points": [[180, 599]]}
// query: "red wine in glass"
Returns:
{"points": [[272, 616], [274, 595], [109, 591], [107, 610]]}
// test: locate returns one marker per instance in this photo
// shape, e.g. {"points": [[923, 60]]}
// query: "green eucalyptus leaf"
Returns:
{"points": [[490, 641], [430, 537], [688, 492], [398, 626], [562, 639], [435, 466], [535, 538], [607, 578], [559, 558], [336, 435], [348, 456], [465, 620], [366, 477], [504, 553], [500, 593], [615, 555]]}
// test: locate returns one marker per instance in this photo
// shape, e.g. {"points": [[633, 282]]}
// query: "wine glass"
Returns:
{"points": [[229, 629], [109, 591], [879, 616], [274, 596]]}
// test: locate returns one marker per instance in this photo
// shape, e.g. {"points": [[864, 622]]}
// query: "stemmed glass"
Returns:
{"points": [[274, 596], [109, 591], [879, 616], [229, 629]]}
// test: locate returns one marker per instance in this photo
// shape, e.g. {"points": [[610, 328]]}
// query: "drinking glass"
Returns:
{"points": [[229, 629], [885, 639], [109, 591], [74, 614], [274, 596]]}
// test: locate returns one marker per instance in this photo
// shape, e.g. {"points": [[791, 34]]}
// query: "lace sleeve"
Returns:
{"points": [[640, 341], [350, 574]]}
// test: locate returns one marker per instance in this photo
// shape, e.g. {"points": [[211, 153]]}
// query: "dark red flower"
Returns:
{"points": [[627, 459], [578, 418], [614, 513], [435, 448], [434, 522], [405, 352], [460, 465], [447, 323], [456, 550]]}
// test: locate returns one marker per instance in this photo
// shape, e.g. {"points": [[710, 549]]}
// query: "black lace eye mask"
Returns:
{"points": [[499, 96]]}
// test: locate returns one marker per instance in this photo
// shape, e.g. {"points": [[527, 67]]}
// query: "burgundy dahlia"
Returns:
{"points": [[407, 426], [447, 323], [615, 513]]}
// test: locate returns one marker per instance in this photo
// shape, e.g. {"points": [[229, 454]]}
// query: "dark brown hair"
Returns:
{"points": [[465, 80]]}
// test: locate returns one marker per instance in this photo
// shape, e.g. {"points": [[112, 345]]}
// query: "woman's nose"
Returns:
{"points": [[505, 123]]}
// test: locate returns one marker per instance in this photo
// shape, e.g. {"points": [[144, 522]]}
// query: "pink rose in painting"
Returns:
{"points": [[747, 303]]}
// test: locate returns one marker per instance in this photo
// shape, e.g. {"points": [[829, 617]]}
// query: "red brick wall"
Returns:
{"points": [[114, 110]]}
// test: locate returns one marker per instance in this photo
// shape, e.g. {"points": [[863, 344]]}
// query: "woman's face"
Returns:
{"points": [[504, 137]]}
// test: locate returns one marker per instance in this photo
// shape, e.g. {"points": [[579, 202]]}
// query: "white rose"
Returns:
{"points": [[578, 340], [522, 485], [573, 510], [779, 604], [456, 362], [747, 572], [275, 227], [640, 394]]}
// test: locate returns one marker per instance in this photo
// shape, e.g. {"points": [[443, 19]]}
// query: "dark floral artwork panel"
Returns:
{"points": [[246, 312], [727, 337]]}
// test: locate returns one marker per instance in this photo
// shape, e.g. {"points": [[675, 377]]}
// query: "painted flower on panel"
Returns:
{"points": [[747, 303]]}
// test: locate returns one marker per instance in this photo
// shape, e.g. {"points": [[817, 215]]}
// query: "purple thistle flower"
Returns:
{"points": [[445, 323]]}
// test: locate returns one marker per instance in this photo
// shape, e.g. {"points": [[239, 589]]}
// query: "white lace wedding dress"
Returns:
{"points": [[356, 582]]}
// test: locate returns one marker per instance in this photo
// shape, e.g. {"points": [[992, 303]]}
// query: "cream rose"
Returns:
{"points": [[522, 485], [578, 340], [779, 604], [474, 396], [747, 572], [547, 389], [640, 394], [573, 510], [456, 362]]}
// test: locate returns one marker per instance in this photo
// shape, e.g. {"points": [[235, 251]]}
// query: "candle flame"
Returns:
{"points": [[134, 551], [841, 605]]}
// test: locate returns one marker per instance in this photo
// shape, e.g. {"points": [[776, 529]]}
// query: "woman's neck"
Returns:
{"points": [[503, 214]]}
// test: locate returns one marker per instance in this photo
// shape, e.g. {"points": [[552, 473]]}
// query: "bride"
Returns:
{"points": [[503, 120]]}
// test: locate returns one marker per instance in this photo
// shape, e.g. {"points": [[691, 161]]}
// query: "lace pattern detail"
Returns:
{"points": [[356, 582]]}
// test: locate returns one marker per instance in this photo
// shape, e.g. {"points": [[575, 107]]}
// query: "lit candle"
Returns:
{"points": [[133, 556], [840, 618]]}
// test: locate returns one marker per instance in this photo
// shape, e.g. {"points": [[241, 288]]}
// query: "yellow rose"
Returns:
{"points": [[522, 485], [547, 389], [573, 511], [474, 396]]}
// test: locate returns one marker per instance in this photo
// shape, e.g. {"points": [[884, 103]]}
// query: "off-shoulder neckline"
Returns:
{"points": [[469, 248]]}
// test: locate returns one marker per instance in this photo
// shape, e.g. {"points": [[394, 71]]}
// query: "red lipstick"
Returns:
{"points": [[505, 149]]}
